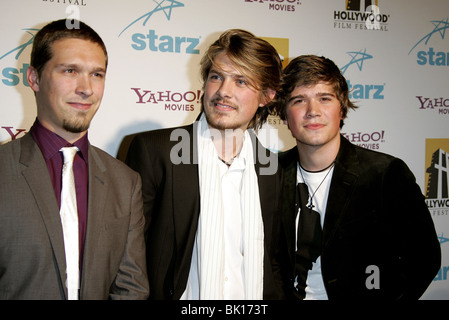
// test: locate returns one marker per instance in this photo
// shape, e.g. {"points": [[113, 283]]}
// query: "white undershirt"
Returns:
{"points": [[315, 289], [231, 184]]}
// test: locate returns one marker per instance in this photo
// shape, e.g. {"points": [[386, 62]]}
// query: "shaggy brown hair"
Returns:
{"points": [[308, 70]]}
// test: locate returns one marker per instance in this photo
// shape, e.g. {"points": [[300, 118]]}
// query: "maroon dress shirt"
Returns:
{"points": [[50, 144]]}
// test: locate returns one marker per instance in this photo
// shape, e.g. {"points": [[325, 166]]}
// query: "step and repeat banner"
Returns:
{"points": [[394, 55]]}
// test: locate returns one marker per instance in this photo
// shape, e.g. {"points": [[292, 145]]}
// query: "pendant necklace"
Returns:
{"points": [[229, 163], [329, 168]]}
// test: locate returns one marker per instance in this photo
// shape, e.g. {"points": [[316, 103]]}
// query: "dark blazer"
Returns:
{"points": [[32, 257], [172, 205], [376, 215]]}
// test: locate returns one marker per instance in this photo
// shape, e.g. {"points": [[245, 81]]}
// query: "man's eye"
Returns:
{"points": [[326, 99], [214, 77]]}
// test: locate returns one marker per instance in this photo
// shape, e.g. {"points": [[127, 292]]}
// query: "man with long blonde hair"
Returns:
{"points": [[211, 200]]}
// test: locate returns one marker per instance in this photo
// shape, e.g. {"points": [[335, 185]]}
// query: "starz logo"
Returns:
{"points": [[357, 57], [362, 91], [153, 41], [23, 46], [433, 57], [164, 6], [440, 27], [16, 75], [443, 239]]}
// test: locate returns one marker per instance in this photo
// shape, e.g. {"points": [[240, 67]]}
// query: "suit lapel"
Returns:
{"points": [[35, 172], [98, 188], [186, 186], [186, 205], [289, 161], [266, 183], [266, 168], [342, 184], [266, 192]]}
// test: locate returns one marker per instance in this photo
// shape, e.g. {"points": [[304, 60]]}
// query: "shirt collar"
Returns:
{"points": [[50, 143]]}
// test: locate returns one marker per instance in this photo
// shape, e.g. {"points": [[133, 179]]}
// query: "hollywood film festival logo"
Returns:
{"points": [[437, 169], [361, 15], [437, 191]]}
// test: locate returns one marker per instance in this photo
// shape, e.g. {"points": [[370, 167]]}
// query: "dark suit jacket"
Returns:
{"points": [[376, 215], [32, 258], [172, 205]]}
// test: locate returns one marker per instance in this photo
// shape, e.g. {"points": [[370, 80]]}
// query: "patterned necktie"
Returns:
{"points": [[69, 219], [308, 239]]}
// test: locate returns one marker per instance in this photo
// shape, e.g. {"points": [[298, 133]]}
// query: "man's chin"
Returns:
{"points": [[76, 127], [220, 123]]}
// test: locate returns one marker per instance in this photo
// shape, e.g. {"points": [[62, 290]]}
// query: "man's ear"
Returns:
{"points": [[33, 78], [269, 96]]}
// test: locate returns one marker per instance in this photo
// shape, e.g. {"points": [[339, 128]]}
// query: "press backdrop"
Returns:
{"points": [[394, 54]]}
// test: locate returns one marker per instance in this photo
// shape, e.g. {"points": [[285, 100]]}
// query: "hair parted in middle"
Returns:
{"points": [[255, 58]]}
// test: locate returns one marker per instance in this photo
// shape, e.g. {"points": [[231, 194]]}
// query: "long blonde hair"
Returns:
{"points": [[255, 58]]}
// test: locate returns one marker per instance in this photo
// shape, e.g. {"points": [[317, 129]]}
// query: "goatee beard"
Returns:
{"points": [[76, 126]]}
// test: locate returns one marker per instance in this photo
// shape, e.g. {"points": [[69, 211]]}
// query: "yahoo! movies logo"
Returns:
{"points": [[429, 55], [15, 75], [367, 140], [278, 5], [174, 100], [438, 104], [156, 42], [361, 90]]}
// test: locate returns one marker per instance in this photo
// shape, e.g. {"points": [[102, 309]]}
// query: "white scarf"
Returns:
{"points": [[210, 234]]}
